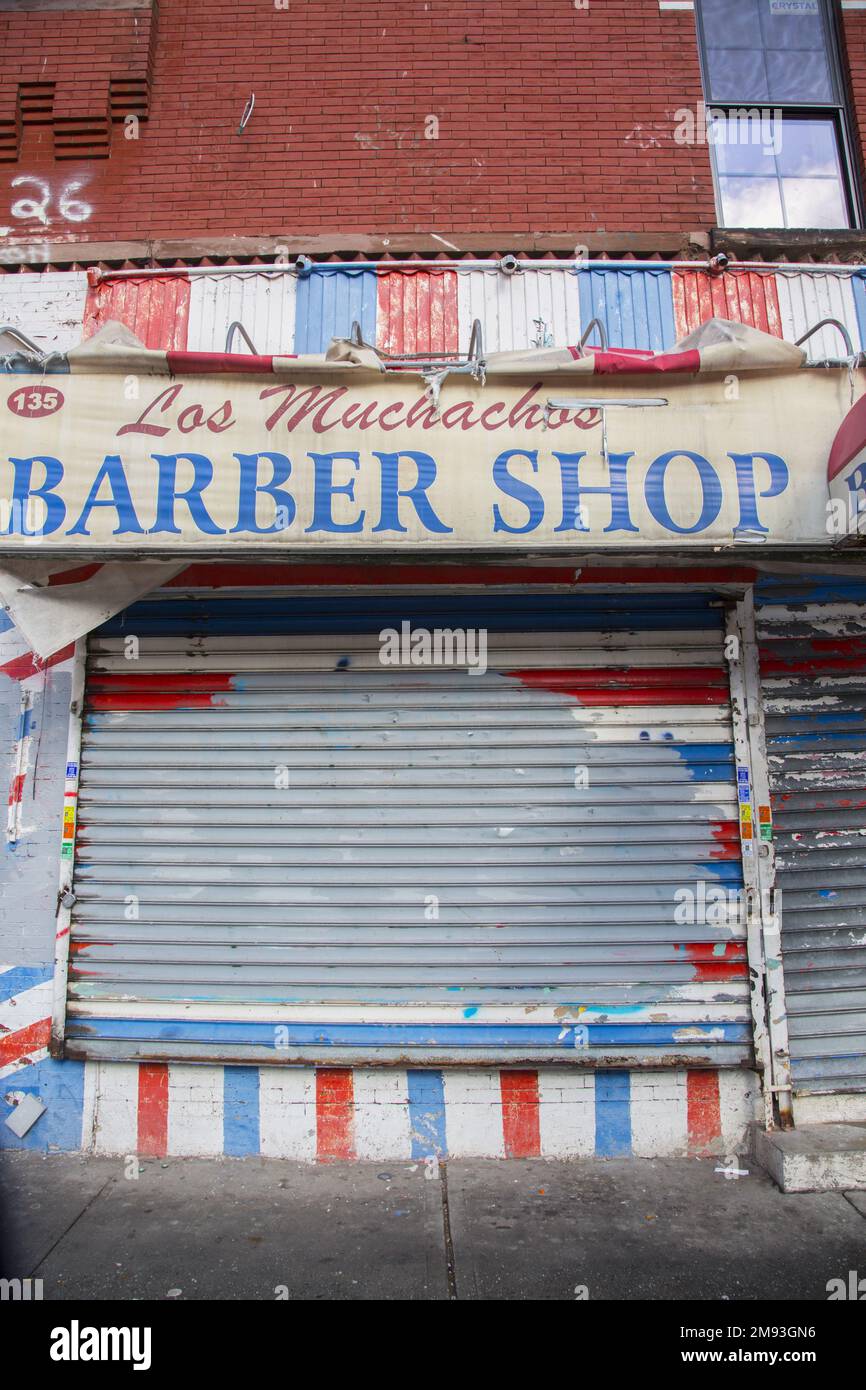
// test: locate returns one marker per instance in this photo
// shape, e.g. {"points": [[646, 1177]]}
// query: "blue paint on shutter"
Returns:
{"points": [[426, 1113], [635, 306], [612, 1114], [240, 1111], [329, 302]]}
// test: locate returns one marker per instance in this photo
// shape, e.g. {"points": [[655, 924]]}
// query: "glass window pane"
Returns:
{"points": [[731, 23], [767, 50], [750, 202], [798, 76], [737, 75], [808, 148], [814, 203], [745, 144], [787, 25]]}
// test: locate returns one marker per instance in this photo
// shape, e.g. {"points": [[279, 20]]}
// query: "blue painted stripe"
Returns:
{"points": [[60, 1087], [25, 724], [328, 302], [22, 977], [240, 1111], [477, 1035], [612, 1114], [635, 306], [859, 286], [517, 612], [819, 588], [426, 1113], [5, 621]]}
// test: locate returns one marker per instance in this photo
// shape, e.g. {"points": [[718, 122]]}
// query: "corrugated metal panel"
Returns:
{"points": [[813, 661], [264, 304], [531, 308], [328, 302], [805, 299], [635, 306], [270, 818], [417, 311], [49, 308], [156, 308], [743, 297]]}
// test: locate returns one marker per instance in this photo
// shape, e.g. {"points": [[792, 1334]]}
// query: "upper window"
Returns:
{"points": [[775, 118]]}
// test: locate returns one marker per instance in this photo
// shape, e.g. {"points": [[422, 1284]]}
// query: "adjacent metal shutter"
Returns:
{"points": [[440, 879], [812, 637]]}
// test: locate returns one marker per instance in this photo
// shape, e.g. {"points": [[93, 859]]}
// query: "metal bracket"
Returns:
{"points": [[237, 327]]}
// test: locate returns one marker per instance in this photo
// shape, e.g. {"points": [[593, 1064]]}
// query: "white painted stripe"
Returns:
{"points": [[25, 1008], [287, 1113], [670, 1012], [381, 1114], [473, 1114], [195, 1110], [806, 299], [111, 1107], [739, 1106], [531, 308], [264, 303], [566, 1111], [676, 5], [659, 1114]]}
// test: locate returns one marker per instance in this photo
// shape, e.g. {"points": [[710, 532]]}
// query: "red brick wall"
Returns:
{"points": [[551, 118], [853, 36]]}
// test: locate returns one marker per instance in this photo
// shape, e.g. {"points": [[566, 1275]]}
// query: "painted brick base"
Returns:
{"points": [[336, 1114]]}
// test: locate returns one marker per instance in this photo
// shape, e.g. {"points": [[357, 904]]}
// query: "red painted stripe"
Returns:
{"points": [[774, 663], [726, 833], [749, 297], [15, 1046], [335, 1113], [16, 789], [219, 576], [20, 667], [700, 685], [712, 965], [154, 307], [76, 576], [166, 691], [625, 361], [703, 1111], [153, 1109], [520, 1120], [417, 311], [850, 439], [207, 363]]}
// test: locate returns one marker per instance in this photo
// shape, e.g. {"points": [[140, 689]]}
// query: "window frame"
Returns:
{"points": [[837, 111]]}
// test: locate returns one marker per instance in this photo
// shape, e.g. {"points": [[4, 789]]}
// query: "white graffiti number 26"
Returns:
{"points": [[70, 208]]}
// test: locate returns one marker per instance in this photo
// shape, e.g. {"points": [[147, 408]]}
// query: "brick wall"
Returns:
{"points": [[550, 117]]}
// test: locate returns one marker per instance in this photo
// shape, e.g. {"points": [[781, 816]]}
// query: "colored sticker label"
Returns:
{"points": [[746, 830], [766, 832], [745, 813], [68, 822], [72, 769], [66, 850], [764, 814], [745, 794], [743, 775]]}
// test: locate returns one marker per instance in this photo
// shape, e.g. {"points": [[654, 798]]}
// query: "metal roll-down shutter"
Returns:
{"points": [[812, 636], [278, 832]]}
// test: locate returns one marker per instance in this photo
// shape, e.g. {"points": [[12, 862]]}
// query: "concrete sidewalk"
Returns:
{"points": [[533, 1229]]}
